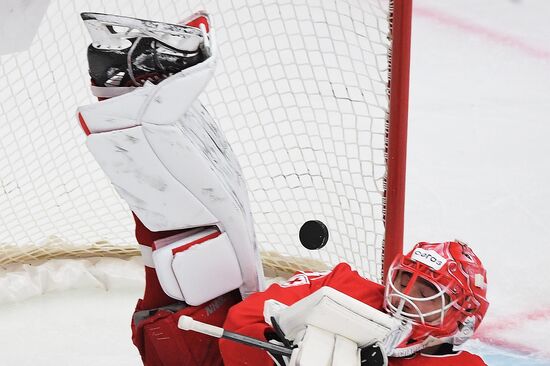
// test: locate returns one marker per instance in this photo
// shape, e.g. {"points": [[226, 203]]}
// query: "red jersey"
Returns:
{"points": [[461, 358], [247, 316]]}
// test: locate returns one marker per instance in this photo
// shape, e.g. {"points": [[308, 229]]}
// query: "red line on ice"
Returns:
{"points": [[490, 34], [488, 333], [513, 346], [515, 320]]}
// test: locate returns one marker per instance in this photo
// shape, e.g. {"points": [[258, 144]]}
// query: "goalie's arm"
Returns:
{"points": [[247, 317]]}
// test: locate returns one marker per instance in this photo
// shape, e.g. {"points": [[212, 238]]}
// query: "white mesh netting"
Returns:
{"points": [[300, 91]]}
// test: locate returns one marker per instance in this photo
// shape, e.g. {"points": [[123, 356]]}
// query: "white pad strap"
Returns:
{"points": [[345, 352], [147, 256], [315, 348], [321, 348]]}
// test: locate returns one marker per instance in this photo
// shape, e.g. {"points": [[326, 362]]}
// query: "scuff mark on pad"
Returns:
{"points": [[204, 134], [211, 194], [131, 138], [152, 181], [130, 198]]}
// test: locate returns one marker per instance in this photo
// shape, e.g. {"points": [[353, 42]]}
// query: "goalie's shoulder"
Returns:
{"points": [[340, 273], [347, 276], [304, 278], [342, 278]]}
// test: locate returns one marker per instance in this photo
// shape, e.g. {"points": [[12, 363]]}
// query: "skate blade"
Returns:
{"points": [[114, 31]]}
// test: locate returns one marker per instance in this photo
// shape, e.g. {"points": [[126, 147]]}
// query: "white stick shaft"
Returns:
{"points": [[188, 323]]}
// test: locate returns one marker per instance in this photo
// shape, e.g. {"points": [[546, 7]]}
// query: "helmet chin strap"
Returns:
{"points": [[409, 350]]}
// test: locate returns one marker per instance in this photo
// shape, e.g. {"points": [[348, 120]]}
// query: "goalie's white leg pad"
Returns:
{"points": [[182, 176], [207, 254], [197, 155], [152, 193], [316, 348], [155, 104], [169, 161], [215, 270]]}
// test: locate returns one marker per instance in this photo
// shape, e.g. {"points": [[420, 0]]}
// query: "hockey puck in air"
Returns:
{"points": [[313, 234]]}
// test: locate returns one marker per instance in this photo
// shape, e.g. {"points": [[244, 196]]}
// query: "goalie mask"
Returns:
{"points": [[440, 288]]}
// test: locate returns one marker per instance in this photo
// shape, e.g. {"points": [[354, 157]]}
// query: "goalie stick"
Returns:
{"points": [[187, 323]]}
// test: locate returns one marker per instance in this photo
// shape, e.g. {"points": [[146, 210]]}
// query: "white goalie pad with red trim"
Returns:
{"points": [[169, 161], [207, 254]]}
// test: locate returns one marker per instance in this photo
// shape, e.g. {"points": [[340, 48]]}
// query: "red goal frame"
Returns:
{"points": [[397, 131]]}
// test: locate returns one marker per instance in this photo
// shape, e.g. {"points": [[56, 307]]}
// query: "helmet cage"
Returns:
{"points": [[397, 299], [450, 312], [455, 276]]}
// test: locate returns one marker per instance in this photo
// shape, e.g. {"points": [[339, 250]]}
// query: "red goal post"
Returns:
{"points": [[397, 132]]}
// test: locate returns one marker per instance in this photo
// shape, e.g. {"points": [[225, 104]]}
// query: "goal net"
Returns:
{"points": [[302, 92]]}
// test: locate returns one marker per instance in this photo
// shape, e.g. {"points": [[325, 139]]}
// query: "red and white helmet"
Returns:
{"points": [[440, 289]]}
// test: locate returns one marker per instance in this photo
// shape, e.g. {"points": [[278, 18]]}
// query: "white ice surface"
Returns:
{"points": [[85, 327], [478, 153], [69, 313], [477, 170]]}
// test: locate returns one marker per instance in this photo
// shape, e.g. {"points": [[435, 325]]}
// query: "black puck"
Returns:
{"points": [[313, 234]]}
